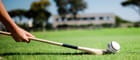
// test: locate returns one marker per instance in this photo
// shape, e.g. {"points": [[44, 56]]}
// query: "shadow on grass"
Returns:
{"points": [[42, 53], [134, 53]]}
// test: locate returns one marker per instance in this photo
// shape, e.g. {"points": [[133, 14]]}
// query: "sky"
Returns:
{"points": [[93, 6]]}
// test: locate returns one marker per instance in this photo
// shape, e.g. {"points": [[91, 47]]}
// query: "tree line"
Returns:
{"points": [[40, 14]]}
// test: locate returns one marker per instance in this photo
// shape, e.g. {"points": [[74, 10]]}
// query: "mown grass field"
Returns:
{"points": [[129, 39]]}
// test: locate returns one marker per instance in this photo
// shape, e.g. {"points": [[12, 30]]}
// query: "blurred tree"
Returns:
{"points": [[62, 7], [17, 13], [76, 6], [119, 21], [69, 7], [135, 4], [39, 13], [137, 24], [40, 5]]}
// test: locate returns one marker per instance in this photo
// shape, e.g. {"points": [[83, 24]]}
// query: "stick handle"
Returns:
{"points": [[5, 33], [45, 41], [35, 39]]}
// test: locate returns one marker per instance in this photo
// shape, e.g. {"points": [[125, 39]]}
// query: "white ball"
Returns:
{"points": [[113, 47]]}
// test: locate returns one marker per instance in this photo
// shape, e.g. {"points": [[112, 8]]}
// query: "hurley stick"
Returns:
{"points": [[85, 49]]}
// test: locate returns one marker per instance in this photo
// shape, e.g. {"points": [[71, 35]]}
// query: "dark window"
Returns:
{"points": [[84, 18], [57, 19], [101, 18], [92, 18], [69, 19], [63, 20]]}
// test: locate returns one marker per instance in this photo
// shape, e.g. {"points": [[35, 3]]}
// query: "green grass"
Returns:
{"points": [[129, 39]]}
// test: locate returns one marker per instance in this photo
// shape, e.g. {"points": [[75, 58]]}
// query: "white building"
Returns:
{"points": [[95, 18]]}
